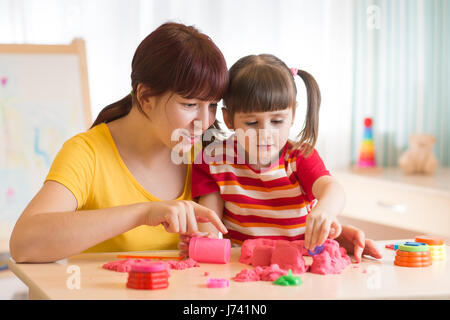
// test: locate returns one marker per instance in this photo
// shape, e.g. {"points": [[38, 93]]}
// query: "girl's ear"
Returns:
{"points": [[227, 118]]}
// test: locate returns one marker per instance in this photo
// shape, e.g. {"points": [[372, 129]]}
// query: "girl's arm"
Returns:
{"points": [[214, 202], [331, 202], [50, 229]]}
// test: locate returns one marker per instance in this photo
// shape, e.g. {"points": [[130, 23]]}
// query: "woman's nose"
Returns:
{"points": [[204, 117]]}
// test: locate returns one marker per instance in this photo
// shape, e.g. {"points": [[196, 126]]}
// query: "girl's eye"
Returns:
{"points": [[251, 123], [277, 121], [190, 105]]}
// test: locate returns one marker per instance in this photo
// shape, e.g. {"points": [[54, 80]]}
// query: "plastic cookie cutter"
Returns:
{"points": [[148, 276], [317, 250], [288, 280], [217, 283]]}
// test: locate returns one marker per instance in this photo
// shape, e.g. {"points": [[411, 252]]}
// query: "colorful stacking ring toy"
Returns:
{"points": [[148, 275], [436, 245], [413, 254]]}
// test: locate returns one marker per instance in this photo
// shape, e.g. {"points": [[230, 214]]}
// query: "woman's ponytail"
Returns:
{"points": [[114, 111], [308, 136]]}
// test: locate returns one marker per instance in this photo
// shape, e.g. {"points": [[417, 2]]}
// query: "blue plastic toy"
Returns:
{"points": [[317, 250]]}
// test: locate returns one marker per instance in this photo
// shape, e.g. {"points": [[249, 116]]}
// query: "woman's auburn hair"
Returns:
{"points": [[264, 83], [173, 58]]}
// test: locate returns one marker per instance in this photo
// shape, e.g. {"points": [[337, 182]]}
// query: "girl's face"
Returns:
{"points": [[180, 122], [262, 134]]}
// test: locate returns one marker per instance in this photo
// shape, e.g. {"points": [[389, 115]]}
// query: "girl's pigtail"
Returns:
{"points": [[308, 136], [114, 111]]}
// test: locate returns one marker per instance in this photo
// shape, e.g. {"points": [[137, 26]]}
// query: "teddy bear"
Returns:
{"points": [[419, 157]]}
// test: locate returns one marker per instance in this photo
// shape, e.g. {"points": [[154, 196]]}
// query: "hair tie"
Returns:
{"points": [[294, 71]]}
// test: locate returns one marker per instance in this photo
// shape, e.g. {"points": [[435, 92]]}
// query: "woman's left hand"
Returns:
{"points": [[354, 241]]}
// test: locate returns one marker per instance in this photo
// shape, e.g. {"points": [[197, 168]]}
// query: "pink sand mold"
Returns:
{"points": [[289, 255], [210, 250], [127, 264], [217, 283]]}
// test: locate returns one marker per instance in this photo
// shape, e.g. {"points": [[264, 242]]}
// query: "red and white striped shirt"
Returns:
{"points": [[272, 204]]}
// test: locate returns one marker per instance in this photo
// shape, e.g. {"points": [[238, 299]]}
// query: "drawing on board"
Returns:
{"points": [[43, 102]]}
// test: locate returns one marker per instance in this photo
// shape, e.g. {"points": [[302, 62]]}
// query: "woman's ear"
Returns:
{"points": [[144, 98], [227, 118]]}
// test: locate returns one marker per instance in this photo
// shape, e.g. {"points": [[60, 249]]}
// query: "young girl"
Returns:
{"points": [[260, 183]]}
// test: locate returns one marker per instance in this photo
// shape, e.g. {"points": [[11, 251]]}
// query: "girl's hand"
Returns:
{"points": [[354, 241], [181, 216], [183, 245], [320, 225]]}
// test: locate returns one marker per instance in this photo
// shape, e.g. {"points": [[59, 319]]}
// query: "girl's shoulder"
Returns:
{"points": [[294, 152]]}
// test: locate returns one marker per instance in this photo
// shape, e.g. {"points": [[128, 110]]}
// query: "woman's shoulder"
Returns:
{"points": [[94, 138]]}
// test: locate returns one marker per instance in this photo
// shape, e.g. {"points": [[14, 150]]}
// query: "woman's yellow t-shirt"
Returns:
{"points": [[90, 166]]}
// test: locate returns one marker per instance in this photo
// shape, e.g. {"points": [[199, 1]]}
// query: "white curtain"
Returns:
{"points": [[315, 36]]}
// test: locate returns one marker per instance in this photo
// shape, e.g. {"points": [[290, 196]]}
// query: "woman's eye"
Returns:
{"points": [[277, 121], [252, 123], [189, 105]]}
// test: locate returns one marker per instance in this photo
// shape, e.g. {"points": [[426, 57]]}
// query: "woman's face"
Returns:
{"points": [[179, 121]]}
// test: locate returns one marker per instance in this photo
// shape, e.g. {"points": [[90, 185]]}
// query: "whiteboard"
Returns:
{"points": [[44, 101]]}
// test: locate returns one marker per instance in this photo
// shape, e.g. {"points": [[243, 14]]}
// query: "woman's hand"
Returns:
{"points": [[320, 225], [181, 216], [354, 241]]}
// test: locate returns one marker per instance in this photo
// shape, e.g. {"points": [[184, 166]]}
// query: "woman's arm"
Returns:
{"points": [[331, 202], [50, 229]]}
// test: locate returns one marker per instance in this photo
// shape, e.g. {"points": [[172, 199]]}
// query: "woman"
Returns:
{"points": [[115, 186]]}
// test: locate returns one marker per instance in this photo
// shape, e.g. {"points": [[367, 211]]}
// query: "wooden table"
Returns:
{"points": [[371, 279]]}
